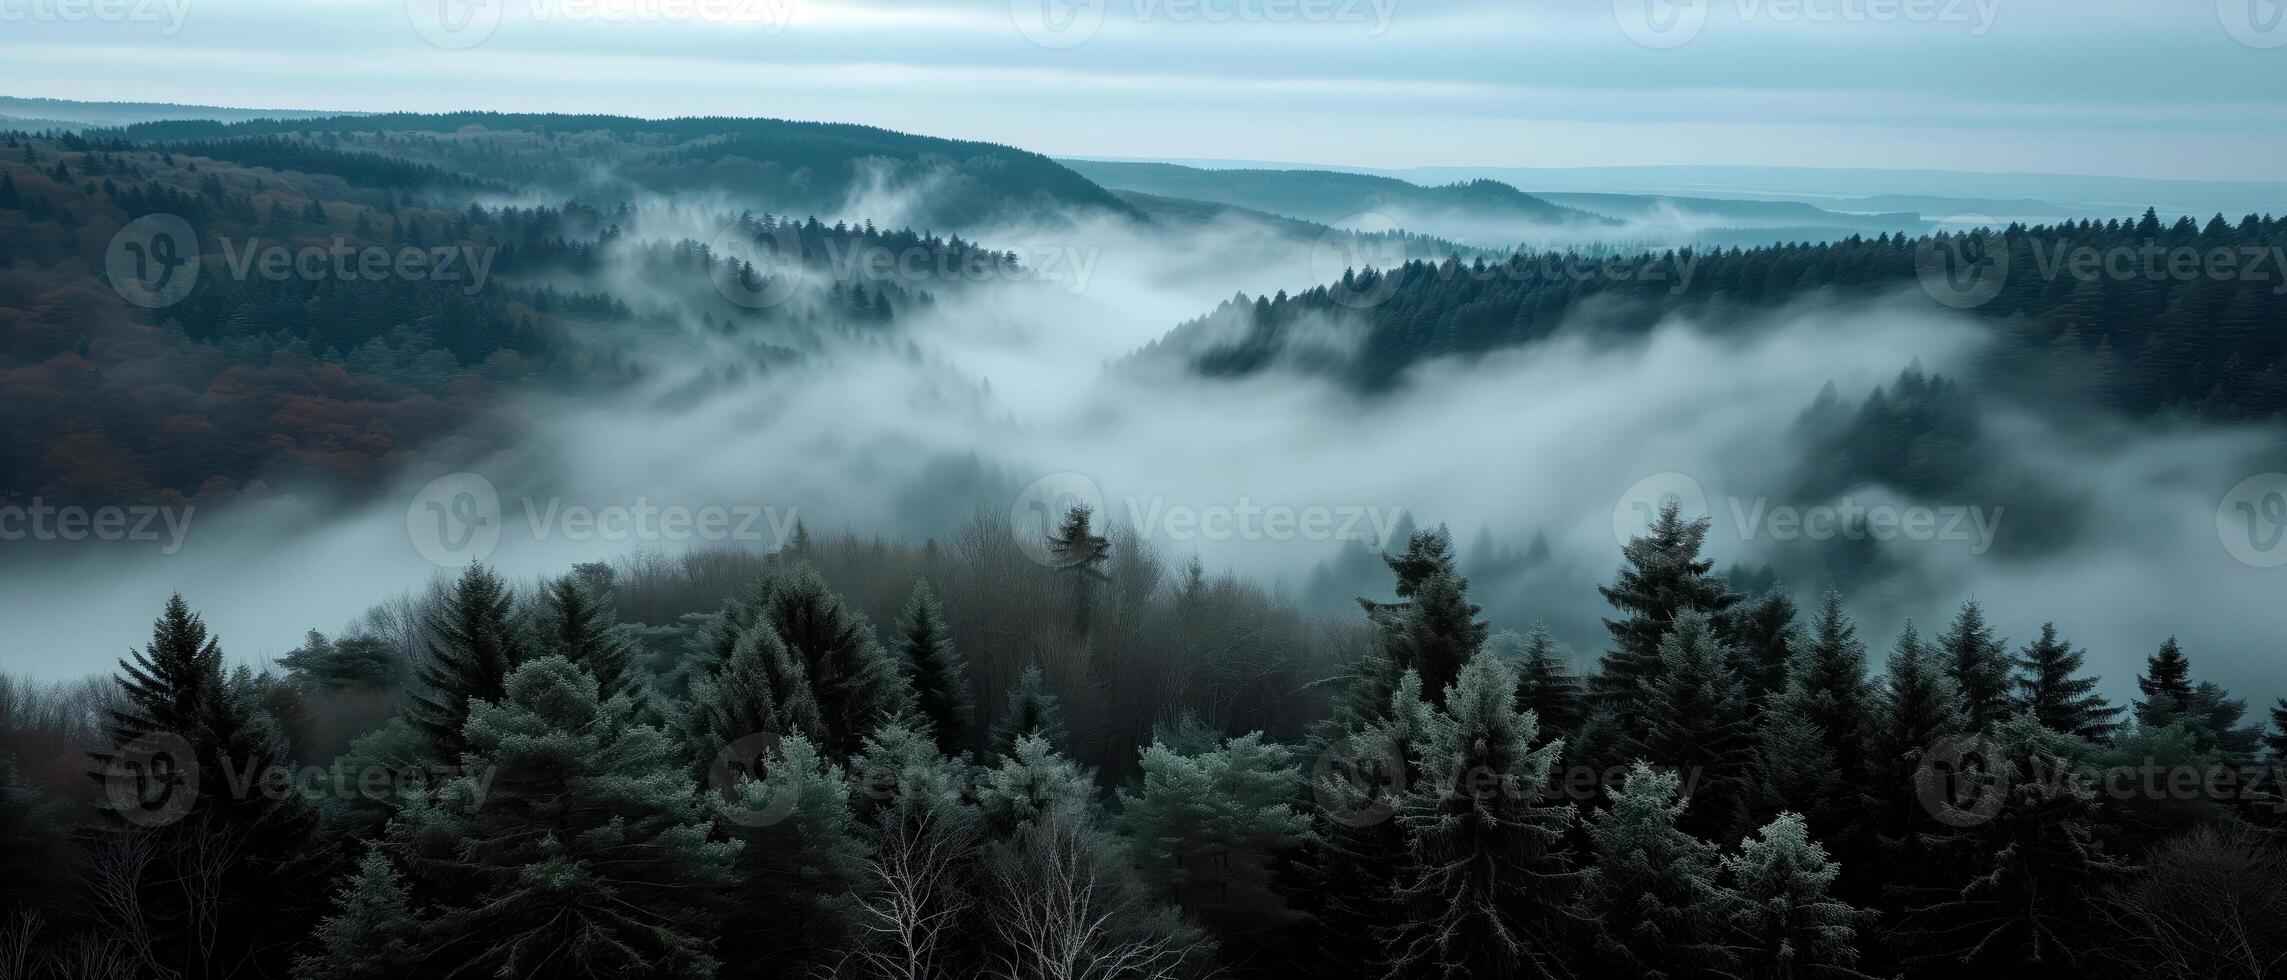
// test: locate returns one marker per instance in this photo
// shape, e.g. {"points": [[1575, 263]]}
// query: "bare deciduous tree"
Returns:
{"points": [[1065, 909], [2206, 904]]}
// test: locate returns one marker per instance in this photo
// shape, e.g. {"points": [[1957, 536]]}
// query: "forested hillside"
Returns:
{"points": [[875, 759]]}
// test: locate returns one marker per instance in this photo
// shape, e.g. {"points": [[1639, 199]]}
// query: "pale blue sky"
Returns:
{"points": [[2181, 88]]}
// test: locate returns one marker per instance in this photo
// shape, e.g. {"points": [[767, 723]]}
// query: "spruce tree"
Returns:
{"points": [[757, 689], [1487, 880], [1917, 709], [1828, 690], [801, 867], [2060, 701], [1437, 633], [578, 623], [1206, 827], [574, 844], [472, 645], [1079, 553], [1664, 576], [1763, 633], [1033, 712], [372, 934], [351, 662], [937, 673], [1653, 888], [1697, 720], [1790, 926], [1031, 783], [855, 681], [1978, 664], [2166, 685], [1546, 683]]}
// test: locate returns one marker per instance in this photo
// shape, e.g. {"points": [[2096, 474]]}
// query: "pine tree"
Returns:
{"points": [[1764, 634], [1079, 553], [1793, 928], [1828, 689], [1437, 633], [1428, 553], [1917, 709], [2167, 686], [578, 623], [1652, 888], [800, 870], [757, 689], [937, 673], [1697, 720], [573, 845], [473, 644], [855, 682], [2060, 701], [1664, 576], [373, 933], [1487, 879], [324, 665], [1546, 684], [1206, 827], [1978, 665], [1032, 712]]}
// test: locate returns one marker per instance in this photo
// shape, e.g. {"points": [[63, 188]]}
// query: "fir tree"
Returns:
{"points": [[1828, 690], [855, 682], [1917, 709], [1978, 665], [1206, 827], [574, 845], [1437, 633], [757, 689], [2167, 686], [473, 644], [1033, 712], [937, 673], [324, 665], [1487, 879], [1664, 576], [1031, 783], [1792, 928], [1697, 719], [1546, 684], [1763, 633], [800, 869], [373, 933], [1079, 553], [1653, 888], [578, 623], [2061, 702]]}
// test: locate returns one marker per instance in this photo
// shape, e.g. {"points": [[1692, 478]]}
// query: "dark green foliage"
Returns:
{"points": [[855, 683], [1079, 553], [1828, 690], [1436, 634], [1653, 891], [1790, 928], [372, 934], [1033, 712], [1546, 683], [1697, 720], [1763, 633], [2048, 688], [2166, 684], [799, 870], [1978, 665], [937, 672], [473, 643], [576, 621], [355, 661], [573, 846], [1206, 827], [1664, 576]]}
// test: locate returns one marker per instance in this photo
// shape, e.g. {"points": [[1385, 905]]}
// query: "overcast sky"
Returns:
{"points": [[2180, 88]]}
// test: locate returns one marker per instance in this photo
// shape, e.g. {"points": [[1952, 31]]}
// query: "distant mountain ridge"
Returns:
{"points": [[1347, 200]]}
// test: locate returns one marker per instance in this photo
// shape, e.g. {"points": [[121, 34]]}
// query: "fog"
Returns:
{"points": [[960, 407]]}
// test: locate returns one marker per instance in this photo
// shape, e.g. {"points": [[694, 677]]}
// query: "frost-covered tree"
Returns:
{"points": [[1978, 664], [2048, 688], [1664, 576], [372, 934], [1697, 719], [1033, 712], [1487, 879], [1789, 926], [574, 844], [798, 876], [473, 642], [937, 673], [1030, 783], [1206, 827], [1653, 889]]}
